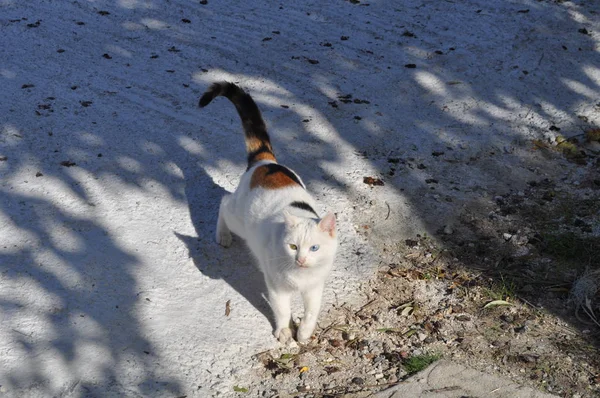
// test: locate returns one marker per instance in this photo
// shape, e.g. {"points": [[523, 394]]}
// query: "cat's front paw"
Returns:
{"points": [[304, 334], [283, 335], [224, 238]]}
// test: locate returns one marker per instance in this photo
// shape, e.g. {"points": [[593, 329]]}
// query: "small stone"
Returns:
{"points": [[507, 236], [521, 251], [520, 329], [521, 240], [379, 376], [304, 388], [529, 358], [378, 358], [448, 230], [386, 347], [508, 318], [358, 381]]}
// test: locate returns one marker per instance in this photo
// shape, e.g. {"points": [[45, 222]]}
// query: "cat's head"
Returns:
{"points": [[309, 242]]}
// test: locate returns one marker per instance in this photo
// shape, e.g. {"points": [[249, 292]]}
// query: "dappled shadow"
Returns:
{"points": [[420, 95], [233, 265]]}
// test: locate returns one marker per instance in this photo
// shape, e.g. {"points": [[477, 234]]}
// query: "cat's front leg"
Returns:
{"points": [[280, 302], [312, 306], [223, 235]]}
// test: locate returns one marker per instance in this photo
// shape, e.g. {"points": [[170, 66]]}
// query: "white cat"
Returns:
{"points": [[272, 211]]}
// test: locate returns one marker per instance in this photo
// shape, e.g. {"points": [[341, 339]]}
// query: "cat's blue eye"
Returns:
{"points": [[314, 248]]}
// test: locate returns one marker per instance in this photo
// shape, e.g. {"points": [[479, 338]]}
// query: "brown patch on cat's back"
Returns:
{"points": [[273, 176]]}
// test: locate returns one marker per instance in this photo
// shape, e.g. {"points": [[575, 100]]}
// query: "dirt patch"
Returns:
{"points": [[503, 290]]}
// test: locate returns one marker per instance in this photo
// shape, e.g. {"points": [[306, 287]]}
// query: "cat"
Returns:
{"points": [[273, 212]]}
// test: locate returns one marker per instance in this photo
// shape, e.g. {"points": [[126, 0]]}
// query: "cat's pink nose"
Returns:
{"points": [[300, 261]]}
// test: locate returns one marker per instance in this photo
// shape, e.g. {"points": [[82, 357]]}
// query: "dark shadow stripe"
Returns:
{"points": [[304, 206]]}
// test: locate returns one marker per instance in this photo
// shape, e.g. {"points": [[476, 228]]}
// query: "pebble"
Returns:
{"points": [[507, 236], [387, 348], [521, 240], [379, 376], [448, 230], [358, 381], [303, 388], [521, 251], [378, 358]]}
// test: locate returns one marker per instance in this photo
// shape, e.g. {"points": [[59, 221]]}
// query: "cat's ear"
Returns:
{"points": [[327, 224], [290, 219]]}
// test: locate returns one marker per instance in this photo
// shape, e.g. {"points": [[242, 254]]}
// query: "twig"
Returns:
{"points": [[444, 389], [362, 389], [440, 254], [389, 210], [541, 58], [333, 325], [527, 302], [365, 306]]}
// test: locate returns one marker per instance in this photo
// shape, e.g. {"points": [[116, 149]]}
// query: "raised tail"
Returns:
{"points": [[258, 144]]}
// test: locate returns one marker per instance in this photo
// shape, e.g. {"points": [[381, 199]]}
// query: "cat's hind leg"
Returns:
{"points": [[223, 234]]}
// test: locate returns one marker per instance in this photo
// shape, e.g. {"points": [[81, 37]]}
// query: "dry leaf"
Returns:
{"points": [[373, 181], [496, 303]]}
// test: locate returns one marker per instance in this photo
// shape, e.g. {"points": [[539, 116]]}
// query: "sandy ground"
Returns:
{"points": [[110, 176]]}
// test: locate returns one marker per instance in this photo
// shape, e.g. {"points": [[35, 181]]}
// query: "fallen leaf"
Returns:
{"points": [[407, 311], [239, 389], [373, 181], [228, 308], [496, 303], [593, 135], [389, 330]]}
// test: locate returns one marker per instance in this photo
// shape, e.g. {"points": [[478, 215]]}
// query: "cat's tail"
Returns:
{"points": [[258, 144]]}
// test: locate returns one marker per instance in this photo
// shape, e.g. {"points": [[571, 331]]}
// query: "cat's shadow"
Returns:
{"points": [[234, 265]]}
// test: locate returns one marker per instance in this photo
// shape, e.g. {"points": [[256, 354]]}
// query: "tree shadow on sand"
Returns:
{"points": [[234, 265]]}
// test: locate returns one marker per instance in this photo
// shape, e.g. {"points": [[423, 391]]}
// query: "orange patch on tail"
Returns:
{"points": [[263, 156], [273, 176], [259, 150]]}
